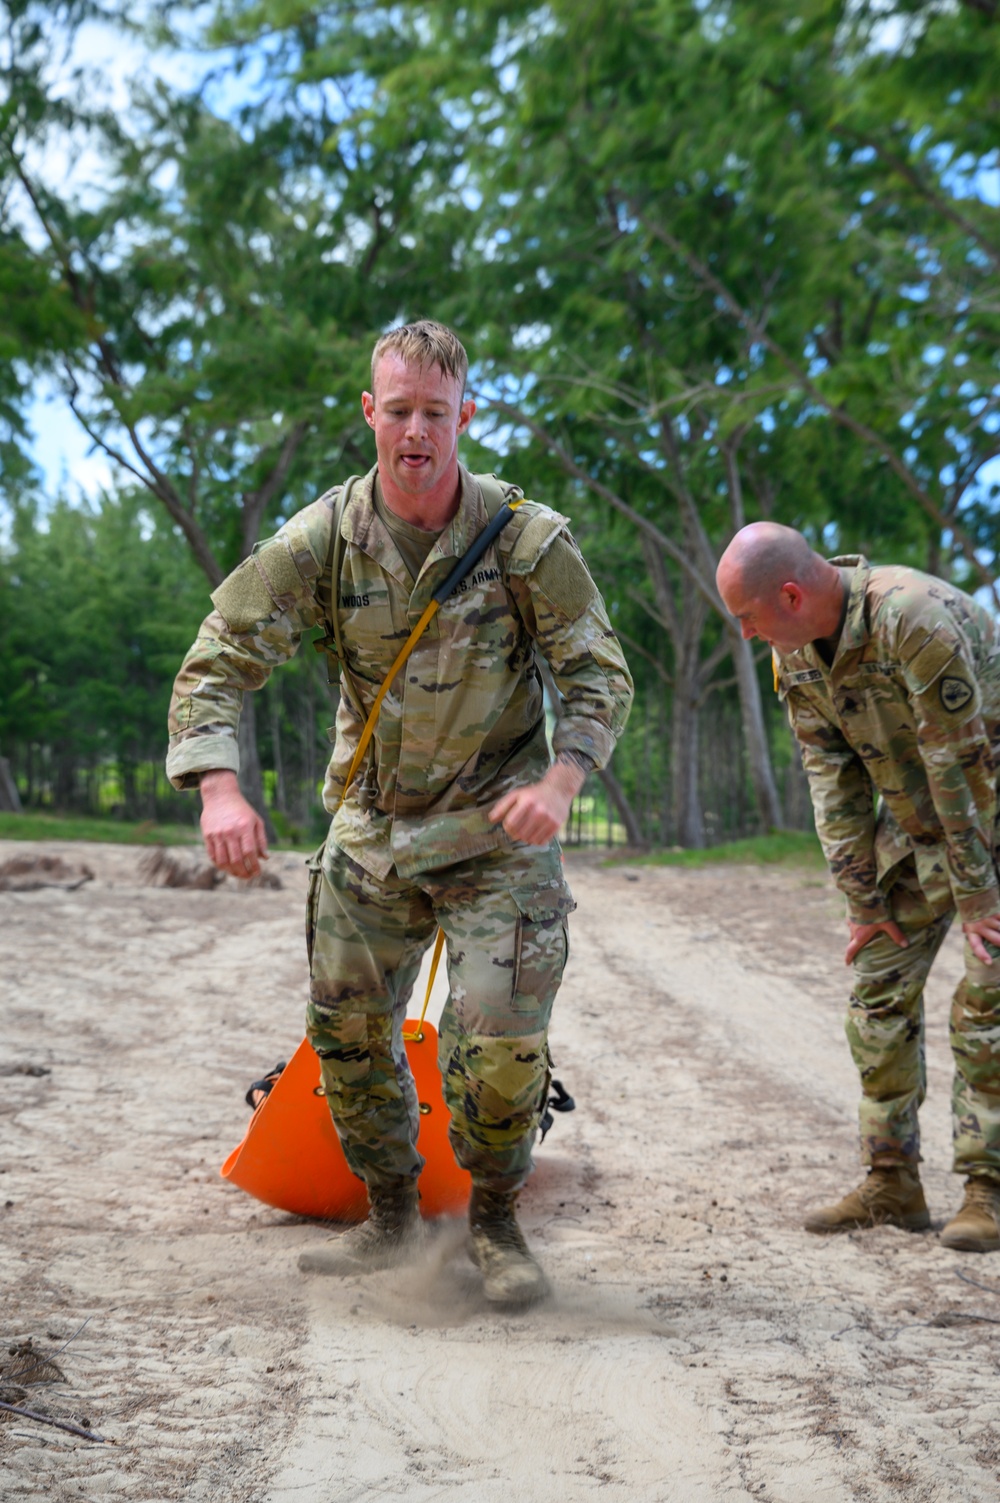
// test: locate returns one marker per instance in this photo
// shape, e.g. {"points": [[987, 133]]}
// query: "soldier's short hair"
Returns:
{"points": [[425, 343]]}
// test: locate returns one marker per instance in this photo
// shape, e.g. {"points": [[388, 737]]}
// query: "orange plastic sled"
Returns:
{"points": [[291, 1157]]}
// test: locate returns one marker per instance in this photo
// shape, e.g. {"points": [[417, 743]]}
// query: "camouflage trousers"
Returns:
{"points": [[504, 918], [885, 1029]]}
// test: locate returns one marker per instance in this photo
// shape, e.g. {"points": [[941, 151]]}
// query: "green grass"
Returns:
{"points": [[779, 848], [82, 827]]}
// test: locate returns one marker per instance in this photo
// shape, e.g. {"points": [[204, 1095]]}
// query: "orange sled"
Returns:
{"points": [[291, 1157]]}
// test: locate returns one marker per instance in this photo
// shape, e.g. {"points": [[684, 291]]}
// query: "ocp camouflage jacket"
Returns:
{"points": [[464, 720], [909, 710]]}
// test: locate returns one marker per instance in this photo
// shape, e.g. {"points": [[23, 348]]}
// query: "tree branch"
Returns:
{"points": [[255, 503], [840, 414], [569, 464]]}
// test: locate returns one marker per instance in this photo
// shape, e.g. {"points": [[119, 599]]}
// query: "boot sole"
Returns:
{"points": [[919, 1222], [971, 1244], [531, 1294], [335, 1264]]}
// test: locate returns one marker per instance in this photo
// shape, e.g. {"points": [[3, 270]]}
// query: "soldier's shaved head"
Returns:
{"points": [[778, 588], [765, 556]]}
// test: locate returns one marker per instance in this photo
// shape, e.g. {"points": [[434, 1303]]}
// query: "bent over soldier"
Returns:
{"points": [[891, 679], [451, 816]]}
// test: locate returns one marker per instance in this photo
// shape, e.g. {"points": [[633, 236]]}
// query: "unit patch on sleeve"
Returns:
{"points": [[955, 693]]}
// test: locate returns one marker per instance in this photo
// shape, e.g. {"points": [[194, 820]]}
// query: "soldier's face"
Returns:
{"points": [[417, 415], [780, 622]]}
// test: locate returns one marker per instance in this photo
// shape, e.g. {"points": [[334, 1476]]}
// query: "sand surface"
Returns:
{"points": [[699, 1348]]}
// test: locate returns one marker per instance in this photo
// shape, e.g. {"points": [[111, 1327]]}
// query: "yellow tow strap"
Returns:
{"points": [[430, 611]]}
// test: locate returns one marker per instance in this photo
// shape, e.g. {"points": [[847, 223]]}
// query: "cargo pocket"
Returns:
{"points": [[314, 866], [541, 947]]}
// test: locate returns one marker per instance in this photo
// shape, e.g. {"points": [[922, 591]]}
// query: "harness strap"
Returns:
{"points": [[418, 1037], [468, 561]]}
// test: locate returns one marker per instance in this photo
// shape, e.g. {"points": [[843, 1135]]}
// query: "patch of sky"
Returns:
{"points": [[69, 462], [723, 376], [531, 336], [967, 176], [934, 354], [915, 292]]}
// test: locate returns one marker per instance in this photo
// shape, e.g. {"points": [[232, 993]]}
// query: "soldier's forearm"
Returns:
{"points": [[218, 782]]}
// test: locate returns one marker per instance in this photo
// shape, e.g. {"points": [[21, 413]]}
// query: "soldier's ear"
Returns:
{"points": [[466, 413], [368, 408], [791, 595]]}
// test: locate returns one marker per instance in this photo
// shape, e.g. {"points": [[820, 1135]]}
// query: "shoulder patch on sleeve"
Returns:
{"points": [[955, 692], [939, 675]]}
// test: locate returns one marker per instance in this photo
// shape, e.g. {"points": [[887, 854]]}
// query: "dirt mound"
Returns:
{"points": [[29, 873], [160, 868]]}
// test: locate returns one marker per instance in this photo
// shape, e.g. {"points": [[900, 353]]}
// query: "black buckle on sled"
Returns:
{"points": [[559, 1101], [262, 1088]]}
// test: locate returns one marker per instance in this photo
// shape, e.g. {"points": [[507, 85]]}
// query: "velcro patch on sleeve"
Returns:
{"points": [[275, 562], [534, 537], [243, 599], [563, 578], [932, 656], [251, 592]]}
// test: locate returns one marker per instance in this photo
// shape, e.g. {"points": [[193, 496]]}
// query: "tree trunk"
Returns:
{"points": [[274, 704], [687, 814], [624, 810], [251, 779], [10, 799], [755, 737]]}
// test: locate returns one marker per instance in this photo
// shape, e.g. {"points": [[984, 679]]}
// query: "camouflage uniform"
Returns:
{"points": [[411, 845], [908, 714]]}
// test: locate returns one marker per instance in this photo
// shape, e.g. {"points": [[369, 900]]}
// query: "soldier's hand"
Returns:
{"points": [[233, 830], [863, 934], [535, 813], [983, 929], [532, 815]]}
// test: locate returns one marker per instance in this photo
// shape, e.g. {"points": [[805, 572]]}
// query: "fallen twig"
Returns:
{"points": [[47, 1419], [959, 1317], [50, 1361], [975, 1282]]}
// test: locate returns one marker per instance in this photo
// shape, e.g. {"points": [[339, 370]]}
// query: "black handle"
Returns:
{"points": [[472, 555]]}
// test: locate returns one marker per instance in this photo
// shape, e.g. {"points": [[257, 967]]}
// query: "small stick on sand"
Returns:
{"points": [[46, 1419]]}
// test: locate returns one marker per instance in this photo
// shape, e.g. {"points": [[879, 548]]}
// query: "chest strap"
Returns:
{"points": [[468, 561]]}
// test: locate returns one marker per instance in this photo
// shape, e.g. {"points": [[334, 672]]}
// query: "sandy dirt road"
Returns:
{"points": [[700, 1347]]}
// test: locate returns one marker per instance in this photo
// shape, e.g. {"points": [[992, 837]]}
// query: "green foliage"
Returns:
{"points": [[712, 262], [100, 604], [36, 826], [779, 848]]}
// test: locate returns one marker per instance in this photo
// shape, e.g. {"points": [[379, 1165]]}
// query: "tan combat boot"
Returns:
{"points": [[511, 1275], [976, 1228], [393, 1233], [890, 1196]]}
